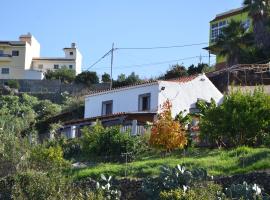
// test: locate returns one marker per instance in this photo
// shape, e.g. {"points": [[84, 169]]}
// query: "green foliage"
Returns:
{"points": [[13, 84], [207, 191], [108, 190], [106, 78], [88, 78], [175, 71], [122, 80], [200, 68], [64, 74], [40, 186], [173, 178], [46, 159], [246, 192], [108, 143], [233, 43], [242, 119]]}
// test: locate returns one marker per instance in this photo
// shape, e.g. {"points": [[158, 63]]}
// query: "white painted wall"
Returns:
{"points": [[49, 64], [124, 100], [184, 96]]}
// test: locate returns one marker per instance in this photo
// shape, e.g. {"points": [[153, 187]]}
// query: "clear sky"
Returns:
{"points": [[95, 24]]}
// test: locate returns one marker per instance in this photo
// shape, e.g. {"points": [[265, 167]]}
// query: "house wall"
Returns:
{"points": [[184, 96], [124, 100], [49, 64]]}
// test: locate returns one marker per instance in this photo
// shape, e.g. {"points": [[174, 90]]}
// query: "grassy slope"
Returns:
{"points": [[217, 162]]}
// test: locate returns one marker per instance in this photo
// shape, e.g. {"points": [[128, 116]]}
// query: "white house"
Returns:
{"points": [[21, 59], [149, 97]]}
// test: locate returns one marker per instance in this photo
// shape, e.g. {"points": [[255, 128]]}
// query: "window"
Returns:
{"points": [[216, 29], [70, 66], [246, 24], [56, 66], [71, 53], [40, 66], [15, 53], [107, 107], [1, 52], [5, 71], [144, 102]]}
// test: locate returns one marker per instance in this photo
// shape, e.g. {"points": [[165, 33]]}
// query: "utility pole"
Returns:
{"points": [[111, 65]]}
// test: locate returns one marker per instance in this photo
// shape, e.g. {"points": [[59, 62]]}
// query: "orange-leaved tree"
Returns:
{"points": [[166, 133]]}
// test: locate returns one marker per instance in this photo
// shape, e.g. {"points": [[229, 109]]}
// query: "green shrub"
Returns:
{"points": [[64, 74], [173, 178], [47, 159], [40, 186], [13, 84], [208, 191], [242, 119], [107, 143]]}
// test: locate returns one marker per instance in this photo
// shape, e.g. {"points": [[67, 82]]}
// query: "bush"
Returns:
{"points": [[173, 178], [242, 119], [208, 191], [47, 159], [107, 143], [40, 186], [87, 78], [13, 84], [64, 74]]}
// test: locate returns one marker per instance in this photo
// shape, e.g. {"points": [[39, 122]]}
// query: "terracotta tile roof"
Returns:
{"points": [[145, 83]]}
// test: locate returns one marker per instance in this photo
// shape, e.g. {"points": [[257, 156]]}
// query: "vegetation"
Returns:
{"points": [[88, 78], [217, 162], [106, 78], [166, 133], [63, 74], [122, 80], [242, 119], [14, 84]]}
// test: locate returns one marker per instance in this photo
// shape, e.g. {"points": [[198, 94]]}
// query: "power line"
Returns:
{"points": [[105, 55], [161, 47], [157, 63]]}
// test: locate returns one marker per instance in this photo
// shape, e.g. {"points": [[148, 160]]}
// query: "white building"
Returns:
{"points": [[149, 97], [21, 59]]}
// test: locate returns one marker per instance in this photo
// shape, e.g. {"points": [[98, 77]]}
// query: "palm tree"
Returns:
{"points": [[259, 11], [234, 42]]}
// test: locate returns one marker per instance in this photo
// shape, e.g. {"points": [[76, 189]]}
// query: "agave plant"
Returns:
{"points": [[108, 191], [246, 192]]}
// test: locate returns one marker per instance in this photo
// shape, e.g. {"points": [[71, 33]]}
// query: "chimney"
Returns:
{"points": [[73, 45]]}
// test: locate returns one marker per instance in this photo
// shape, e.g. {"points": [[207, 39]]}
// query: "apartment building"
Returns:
{"points": [[21, 59], [218, 23]]}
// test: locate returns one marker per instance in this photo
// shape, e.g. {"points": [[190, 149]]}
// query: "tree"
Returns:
{"points": [[106, 78], [242, 119], [175, 71], [234, 42], [167, 134], [88, 78], [197, 69], [122, 80], [259, 11], [64, 74]]}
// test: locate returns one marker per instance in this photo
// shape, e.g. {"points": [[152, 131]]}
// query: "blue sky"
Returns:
{"points": [[94, 25]]}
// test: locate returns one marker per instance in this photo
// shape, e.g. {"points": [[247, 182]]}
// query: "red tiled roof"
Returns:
{"points": [[179, 80]]}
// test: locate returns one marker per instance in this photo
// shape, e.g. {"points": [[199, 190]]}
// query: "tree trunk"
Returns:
{"points": [[261, 34]]}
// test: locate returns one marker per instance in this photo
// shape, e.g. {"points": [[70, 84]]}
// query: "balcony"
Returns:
{"points": [[5, 57]]}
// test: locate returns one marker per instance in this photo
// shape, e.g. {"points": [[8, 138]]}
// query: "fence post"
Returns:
{"points": [[134, 127]]}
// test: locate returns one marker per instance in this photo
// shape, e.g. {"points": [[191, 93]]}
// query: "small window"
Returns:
{"points": [[5, 71], [1, 52], [15, 53], [144, 102], [40, 66], [71, 53], [70, 66], [107, 107], [56, 66]]}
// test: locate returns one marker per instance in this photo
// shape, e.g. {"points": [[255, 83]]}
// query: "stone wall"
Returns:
{"points": [[55, 86]]}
